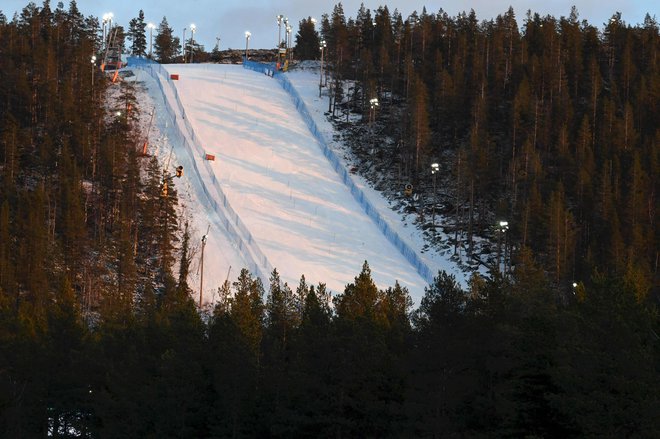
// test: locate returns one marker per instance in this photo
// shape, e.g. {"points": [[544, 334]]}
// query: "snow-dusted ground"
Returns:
{"points": [[274, 175], [222, 259], [306, 81]]}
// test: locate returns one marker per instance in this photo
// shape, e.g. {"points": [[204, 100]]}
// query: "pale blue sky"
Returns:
{"points": [[229, 19]]}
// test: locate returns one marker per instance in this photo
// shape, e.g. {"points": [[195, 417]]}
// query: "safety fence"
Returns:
{"points": [[268, 69], [257, 262], [392, 236]]}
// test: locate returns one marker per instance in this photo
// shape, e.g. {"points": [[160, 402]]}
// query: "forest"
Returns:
{"points": [[553, 125]]}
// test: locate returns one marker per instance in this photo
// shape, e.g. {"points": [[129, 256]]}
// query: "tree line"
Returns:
{"points": [[99, 336], [500, 360]]}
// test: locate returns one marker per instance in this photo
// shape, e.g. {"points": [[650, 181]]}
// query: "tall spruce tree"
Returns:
{"points": [[307, 40], [137, 34], [166, 45]]}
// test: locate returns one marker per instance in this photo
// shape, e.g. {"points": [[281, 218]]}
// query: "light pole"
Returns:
{"points": [[151, 27], [93, 60], [285, 20], [105, 22], [413, 22], [503, 226], [373, 104], [193, 28], [183, 46], [107, 19], [247, 40], [288, 39], [279, 29], [435, 168], [322, 46], [201, 267]]}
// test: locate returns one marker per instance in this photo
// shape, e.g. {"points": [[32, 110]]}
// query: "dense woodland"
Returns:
{"points": [[554, 125]]}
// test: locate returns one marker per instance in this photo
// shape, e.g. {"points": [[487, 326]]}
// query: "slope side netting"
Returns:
{"points": [[257, 262], [392, 236]]}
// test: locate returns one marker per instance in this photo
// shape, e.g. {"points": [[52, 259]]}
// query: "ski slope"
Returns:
{"points": [[294, 212]]}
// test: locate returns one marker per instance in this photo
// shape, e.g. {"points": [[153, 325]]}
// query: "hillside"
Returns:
{"points": [[553, 127]]}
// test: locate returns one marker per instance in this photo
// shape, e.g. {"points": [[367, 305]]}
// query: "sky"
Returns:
{"points": [[229, 19]]}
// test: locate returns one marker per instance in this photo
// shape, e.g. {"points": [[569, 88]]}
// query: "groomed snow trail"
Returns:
{"points": [[276, 178]]}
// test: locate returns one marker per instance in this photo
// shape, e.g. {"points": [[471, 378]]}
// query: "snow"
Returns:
{"points": [[306, 81], [277, 180]]}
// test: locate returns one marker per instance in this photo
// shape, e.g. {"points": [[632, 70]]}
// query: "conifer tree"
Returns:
{"points": [[307, 40], [420, 134], [358, 301], [247, 310], [165, 43], [137, 34], [184, 262]]}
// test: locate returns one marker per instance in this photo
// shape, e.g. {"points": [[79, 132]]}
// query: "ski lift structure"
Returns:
{"points": [[112, 55]]}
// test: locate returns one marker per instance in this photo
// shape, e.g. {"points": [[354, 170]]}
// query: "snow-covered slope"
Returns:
{"points": [[271, 172]]}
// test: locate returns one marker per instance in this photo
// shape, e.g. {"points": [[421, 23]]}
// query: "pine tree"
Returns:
{"points": [[8, 288], [235, 336], [184, 262], [439, 380], [247, 310], [307, 40], [137, 34], [358, 301], [420, 135], [560, 245], [607, 382], [165, 44]]}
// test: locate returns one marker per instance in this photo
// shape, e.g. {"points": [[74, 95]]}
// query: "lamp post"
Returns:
{"points": [[107, 19], [247, 41], [322, 46], [201, 267], [288, 39], [503, 226], [279, 17], [313, 20], [107, 27], [373, 104], [151, 27], [193, 28], [105, 22], [435, 168], [413, 22], [285, 20], [183, 46], [93, 60]]}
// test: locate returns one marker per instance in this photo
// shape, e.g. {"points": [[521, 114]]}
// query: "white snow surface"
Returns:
{"points": [[275, 177]]}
